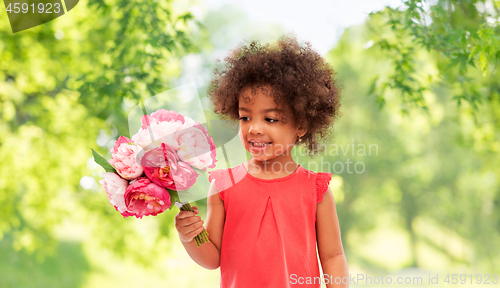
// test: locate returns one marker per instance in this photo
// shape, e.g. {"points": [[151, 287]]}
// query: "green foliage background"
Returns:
{"points": [[420, 83]]}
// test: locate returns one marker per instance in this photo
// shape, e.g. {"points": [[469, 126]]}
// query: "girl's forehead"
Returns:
{"points": [[261, 100], [256, 91], [258, 98], [261, 104]]}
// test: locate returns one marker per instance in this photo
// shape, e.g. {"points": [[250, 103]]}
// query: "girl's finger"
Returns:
{"points": [[184, 214], [192, 227], [195, 232]]}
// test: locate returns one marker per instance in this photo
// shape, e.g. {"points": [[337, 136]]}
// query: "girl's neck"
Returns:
{"points": [[277, 167]]}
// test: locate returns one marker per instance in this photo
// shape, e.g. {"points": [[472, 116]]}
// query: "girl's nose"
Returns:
{"points": [[255, 128]]}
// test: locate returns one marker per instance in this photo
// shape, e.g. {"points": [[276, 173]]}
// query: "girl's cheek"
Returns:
{"points": [[240, 134]]}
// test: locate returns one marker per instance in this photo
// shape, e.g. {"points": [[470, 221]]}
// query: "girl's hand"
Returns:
{"points": [[188, 225]]}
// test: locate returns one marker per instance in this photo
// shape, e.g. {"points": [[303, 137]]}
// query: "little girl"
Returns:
{"points": [[266, 215]]}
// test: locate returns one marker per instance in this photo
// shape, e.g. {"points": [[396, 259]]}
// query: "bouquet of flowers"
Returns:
{"points": [[146, 173]]}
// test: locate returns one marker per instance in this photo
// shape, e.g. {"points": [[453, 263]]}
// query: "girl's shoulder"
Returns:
{"points": [[322, 180], [225, 178]]}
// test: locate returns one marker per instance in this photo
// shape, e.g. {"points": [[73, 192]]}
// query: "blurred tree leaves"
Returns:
{"points": [[436, 176], [449, 49], [61, 85], [462, 35]]}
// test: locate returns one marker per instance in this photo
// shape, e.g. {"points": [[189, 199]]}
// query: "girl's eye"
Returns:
{"points": [[270, 120]]}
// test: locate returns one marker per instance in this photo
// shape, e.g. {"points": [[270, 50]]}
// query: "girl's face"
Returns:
{"points": [[261, 129]]}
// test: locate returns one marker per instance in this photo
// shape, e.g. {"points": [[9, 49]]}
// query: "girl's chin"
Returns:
{"points": [[260, 156], [265, 154]]}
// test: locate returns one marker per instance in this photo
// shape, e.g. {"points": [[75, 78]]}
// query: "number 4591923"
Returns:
{"points": [[480, 279], [40, 8]]}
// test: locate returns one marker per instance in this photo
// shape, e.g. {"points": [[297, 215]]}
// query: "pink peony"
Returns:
{"points": [[144, 198], [196, 147], [161, 115], [124, 159], [163, 167], [160, 127], [143, 138], [157, 133], [115, 187], [119, 141]]}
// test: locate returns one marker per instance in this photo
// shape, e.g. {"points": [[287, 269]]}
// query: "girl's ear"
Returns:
{"points": [[301, 131]]}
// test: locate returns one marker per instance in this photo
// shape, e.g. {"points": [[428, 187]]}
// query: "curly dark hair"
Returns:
{"points": [[299, 77]]}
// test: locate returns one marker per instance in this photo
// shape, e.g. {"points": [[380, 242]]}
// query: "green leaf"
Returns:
{"points": [[380, 101], [174, 196], [103, 162], [373, 85], [471, 63]]}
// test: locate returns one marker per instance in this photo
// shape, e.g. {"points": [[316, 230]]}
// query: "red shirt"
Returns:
{"points": [[269, 237]]}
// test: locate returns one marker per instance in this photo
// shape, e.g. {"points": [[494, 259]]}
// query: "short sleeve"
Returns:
{"points": [[322, 180], [217, 175]]}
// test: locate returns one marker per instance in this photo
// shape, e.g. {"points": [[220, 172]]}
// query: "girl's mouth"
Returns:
{"points": [[259, 146]]}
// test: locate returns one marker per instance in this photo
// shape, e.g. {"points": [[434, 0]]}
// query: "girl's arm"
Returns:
{"points": [[331, 252], [208, 254]]}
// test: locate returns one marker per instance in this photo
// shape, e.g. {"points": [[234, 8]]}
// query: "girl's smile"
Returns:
{"points": [[258, 146]]}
